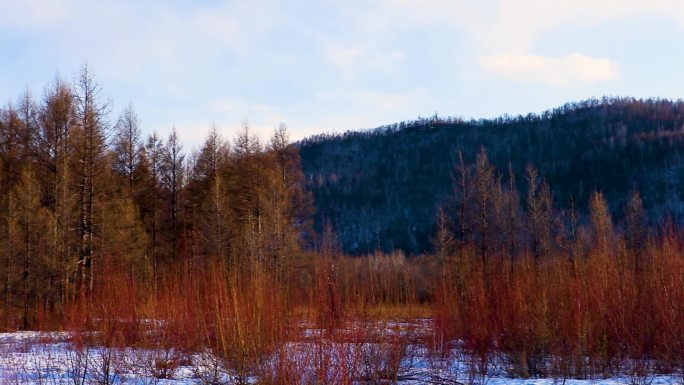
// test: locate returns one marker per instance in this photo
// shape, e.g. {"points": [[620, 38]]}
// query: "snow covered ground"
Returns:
{"points": [[50, 358]]}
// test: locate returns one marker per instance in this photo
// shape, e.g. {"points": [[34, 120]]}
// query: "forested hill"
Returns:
{"points": [[380, 188]]}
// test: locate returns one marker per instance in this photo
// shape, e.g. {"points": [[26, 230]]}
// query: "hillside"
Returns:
{"points": [[380, 188]]}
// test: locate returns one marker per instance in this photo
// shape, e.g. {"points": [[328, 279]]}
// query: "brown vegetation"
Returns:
{"points": [[154, 249]]}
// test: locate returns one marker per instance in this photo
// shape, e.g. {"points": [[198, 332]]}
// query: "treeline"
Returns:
{"points": [[486, 210], [380, 189], [83, 195]]}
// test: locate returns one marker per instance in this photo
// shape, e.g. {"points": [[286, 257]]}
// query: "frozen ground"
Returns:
{"points": [[50, 358]]}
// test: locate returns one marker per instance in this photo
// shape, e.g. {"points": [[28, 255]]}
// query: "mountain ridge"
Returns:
{"points": [[380, 188]]}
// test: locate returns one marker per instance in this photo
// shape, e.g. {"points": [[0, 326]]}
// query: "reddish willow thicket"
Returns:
{"points": [[591, 315], [104, 231], [556, 293]]}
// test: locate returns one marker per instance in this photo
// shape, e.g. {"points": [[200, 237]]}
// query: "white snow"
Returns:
{"points": [[50, 358]]}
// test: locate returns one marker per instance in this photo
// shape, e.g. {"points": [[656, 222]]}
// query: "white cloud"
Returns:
{"points": [[125, 39], [31, 13], [555, 71], [351, 59], [514, 25]]}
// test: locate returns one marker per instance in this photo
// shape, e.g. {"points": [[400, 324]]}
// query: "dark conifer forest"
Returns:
{"points": [[381, 189]]}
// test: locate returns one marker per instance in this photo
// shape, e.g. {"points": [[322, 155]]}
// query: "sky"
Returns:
{"points": [[330, 66]]}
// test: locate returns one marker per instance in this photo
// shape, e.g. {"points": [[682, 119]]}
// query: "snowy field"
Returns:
{"points": [[52, 358]]}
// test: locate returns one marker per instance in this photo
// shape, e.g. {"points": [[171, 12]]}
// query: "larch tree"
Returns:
{"points": [[151, 196], [210, 172], [248, 193], [443, 242], [278, 196], [173, 179], [635, 219], [546, 219], [28, 115], [127, 146], [31, 238], [289, 204], [512, 215], [54, 158], [27, 195], [539, 213], [460, 185], [485, 187], [125, 220], [601, 222], [90, 118], [10, 151]]}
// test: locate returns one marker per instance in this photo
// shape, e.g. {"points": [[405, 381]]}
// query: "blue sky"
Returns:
{"points": [[321, 66]]}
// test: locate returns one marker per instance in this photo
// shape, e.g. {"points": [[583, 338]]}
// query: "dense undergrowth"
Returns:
{"points": [[593, 316]]}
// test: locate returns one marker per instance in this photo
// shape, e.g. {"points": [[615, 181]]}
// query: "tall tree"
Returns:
{"points": [[56, 119], [485, 188], [151, 195], [443, 241], [512, 215], [540, 213], [210, 173], [91, 113], [289, 204], [248, 193], [30, 239], [28, 115], [127, 146], [173, 179], [10, 151], [635, 218], [460, 186], [601, 222]]}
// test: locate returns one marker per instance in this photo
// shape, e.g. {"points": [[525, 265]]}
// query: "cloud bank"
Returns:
{"points": [[554, 71]]}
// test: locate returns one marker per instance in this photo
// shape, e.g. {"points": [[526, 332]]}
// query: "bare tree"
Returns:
{"points": [[460, 185], [634, 223], [173, 178], [91, 113], [540, 213], [30, 223], [444, 240], [601, 221], [485, 187], [211, 162], [154, 151], [127, 146], [54, 155]]}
